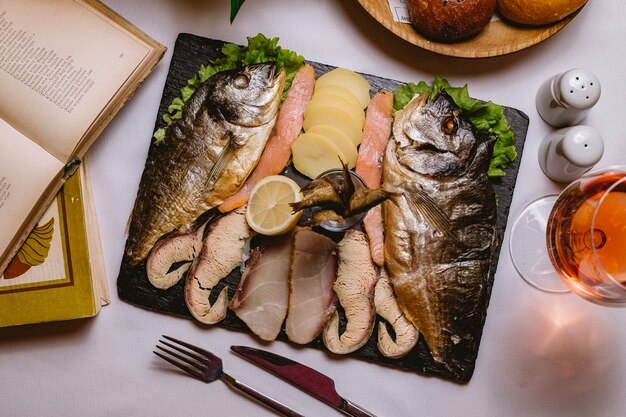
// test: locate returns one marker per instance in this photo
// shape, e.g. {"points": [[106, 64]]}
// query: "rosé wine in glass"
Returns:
{"points": [[586, 236], [577, 240]]}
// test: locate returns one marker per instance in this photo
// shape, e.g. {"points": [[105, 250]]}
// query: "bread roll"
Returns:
{"points": [[450, 20], [534, 12]]}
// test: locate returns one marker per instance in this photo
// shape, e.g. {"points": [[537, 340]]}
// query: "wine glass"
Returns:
{"points": [[577, 240]]}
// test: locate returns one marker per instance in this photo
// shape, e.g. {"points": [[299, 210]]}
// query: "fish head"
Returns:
{"points": [[248, 96], [434, 138]]}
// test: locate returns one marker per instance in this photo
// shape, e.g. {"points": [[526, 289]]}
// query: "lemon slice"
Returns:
{"points": [[268, 211]]}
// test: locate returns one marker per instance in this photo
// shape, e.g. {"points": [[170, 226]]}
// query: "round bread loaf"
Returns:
{"points": [[450, 20], [534, 12]]}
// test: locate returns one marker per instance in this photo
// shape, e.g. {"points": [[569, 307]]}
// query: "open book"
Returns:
{"points": [[58, 272], [66, 68]]}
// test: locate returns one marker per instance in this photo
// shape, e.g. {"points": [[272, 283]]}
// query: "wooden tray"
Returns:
{"points": [[498, 38], [133, 286]]}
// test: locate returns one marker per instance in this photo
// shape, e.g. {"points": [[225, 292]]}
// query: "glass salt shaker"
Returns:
{"points": [[566, 98], [568, 153]]}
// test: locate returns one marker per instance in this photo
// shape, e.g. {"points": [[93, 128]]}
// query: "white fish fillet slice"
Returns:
{"points": [[263, 292], [311, 298]]}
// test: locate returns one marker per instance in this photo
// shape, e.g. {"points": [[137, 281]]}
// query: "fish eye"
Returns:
{"points": [[242, 80], [449, 125]]}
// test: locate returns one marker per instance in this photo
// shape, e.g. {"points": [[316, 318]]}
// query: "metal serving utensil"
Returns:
{"points": [[207, 367]]}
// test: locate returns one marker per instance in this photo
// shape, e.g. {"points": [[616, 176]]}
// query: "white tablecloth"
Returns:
{"points": [[541, 354]]}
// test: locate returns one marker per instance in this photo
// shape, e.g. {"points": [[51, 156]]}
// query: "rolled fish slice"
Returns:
{"points": [[222, 251], [355, 284]]}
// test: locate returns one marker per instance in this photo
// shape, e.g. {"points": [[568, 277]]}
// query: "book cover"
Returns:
{"points": [[58, 273]]}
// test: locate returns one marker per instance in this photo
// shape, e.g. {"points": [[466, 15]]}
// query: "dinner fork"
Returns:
{"points": [[207, 367]]}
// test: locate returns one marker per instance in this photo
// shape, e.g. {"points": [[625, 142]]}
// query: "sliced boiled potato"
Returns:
{"points": [[340, 139], [342, 120], [337, 91], [335, 102], [313, 154], [348, 79]]}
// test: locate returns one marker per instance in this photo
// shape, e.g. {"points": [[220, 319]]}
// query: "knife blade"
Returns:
{"points": [[306, 379]]}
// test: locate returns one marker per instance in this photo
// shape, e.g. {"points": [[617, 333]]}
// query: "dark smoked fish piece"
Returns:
{"points": [[440, 225], [338, 196], [321, 192], [322, 216], [207, 154], [364, 199]]}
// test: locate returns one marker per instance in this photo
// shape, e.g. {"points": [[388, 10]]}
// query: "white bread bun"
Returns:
{"points": [[538, 12]]}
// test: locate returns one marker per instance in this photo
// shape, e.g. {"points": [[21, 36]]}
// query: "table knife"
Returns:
{"points": [[307, 379]]}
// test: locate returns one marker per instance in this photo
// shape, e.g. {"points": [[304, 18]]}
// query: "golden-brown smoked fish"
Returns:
{"points": [[207, 154], [440, 225]]}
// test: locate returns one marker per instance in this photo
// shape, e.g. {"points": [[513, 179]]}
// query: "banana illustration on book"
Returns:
{"points": [[33, 252]]}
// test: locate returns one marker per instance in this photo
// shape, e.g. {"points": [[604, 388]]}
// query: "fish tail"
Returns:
{"points": [[296, 206]]}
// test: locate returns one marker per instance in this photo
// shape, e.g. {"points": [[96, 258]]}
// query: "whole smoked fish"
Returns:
{"points": [[440, 225], [207, 154]]}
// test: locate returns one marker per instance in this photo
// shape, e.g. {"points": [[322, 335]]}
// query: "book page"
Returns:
{"points": [[60, 64], [26, 171]]}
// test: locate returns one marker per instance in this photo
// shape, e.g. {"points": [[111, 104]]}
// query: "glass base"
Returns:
{"points": [[527, 246]]}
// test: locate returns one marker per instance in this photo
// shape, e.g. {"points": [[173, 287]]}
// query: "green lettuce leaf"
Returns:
{"points": [[259, 49], [484, 116]]}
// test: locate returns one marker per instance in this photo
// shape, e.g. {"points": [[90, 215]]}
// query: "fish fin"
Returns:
{"points": [[423, 204], [130, 219], [222, 159], [347, 188], [296, 206]]}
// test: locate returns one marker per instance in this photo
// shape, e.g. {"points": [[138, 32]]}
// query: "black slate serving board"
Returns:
{"points": [[192, 51]]}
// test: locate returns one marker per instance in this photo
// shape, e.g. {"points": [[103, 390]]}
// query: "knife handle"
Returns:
{"points": [[355, 410], [259, 396]]}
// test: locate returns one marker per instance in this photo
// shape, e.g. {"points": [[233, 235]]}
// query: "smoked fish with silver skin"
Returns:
{"points": [[354, 287], [171, 256], [207, 154], [440, 225], [222, 250]]}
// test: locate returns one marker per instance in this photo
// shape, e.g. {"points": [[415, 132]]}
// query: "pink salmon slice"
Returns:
{"points": [[369, 165]]}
